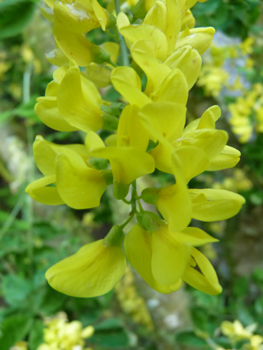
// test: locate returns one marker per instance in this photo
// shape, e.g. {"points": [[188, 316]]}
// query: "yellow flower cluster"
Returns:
{"points": [[63, 335], [235, 331], [247, 113], [238, 182], [131, 302], [151, 133], [214, 76]]}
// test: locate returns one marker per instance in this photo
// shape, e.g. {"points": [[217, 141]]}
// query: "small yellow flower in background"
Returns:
{"points": [[64, 335], [21, 345], [235, 330]]}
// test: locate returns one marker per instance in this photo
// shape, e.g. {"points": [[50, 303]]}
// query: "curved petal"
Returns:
{"points": [[173, 88], [207, 280], [131, 132], [169, 257], [194, 236], [199, 38], [94, 270], [152, 67], [214, 205], [41, 192], [189, 61], [128, 83], [79, 101], [174, 202], [138, 249], [79, 186], [227, 158], [47, 111], [128, 163]]}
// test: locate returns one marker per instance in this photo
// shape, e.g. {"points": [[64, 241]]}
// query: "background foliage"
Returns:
{"points": [[33, 236]]}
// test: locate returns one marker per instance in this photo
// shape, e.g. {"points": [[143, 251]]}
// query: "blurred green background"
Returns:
{"points": [[35, 236]]}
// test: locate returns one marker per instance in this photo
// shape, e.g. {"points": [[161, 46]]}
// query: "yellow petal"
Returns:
{"points": [[75, 46], [174, 202], [41, 192], [127, 163], [128, 83], [199, 38], [194, 161], [138, 249], [75, 17], [134, 33], [157, 16], [45, 154], [47, 111], [227, 158], [57, 57], [99, 75], [79, 101], [194, 236], [131, 131], [173, 88], [94, 270], [211, 142], [153, 68], [207, 280], [173, 23], [169, 257], [93, 141], [213, 205], [79, 186], [188, 61]]}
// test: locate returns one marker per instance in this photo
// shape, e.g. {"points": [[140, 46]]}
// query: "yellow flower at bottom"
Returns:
{"points": [[94, 270]]}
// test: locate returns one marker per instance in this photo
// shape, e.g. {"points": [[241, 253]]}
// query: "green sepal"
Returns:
{"points": [[120, 190], [114, 109], [111, 20], [98, 163], [150, 221], [150, 195], [108, 177], [100, 55], [109, 122], [139, 10], [114, 238]]}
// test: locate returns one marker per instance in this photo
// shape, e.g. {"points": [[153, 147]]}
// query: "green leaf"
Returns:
{"points": [[110, 333], [15, 289], [36, 335], [15, 16], [26, 110], [14, 329], [189, 338], [6, 116]]}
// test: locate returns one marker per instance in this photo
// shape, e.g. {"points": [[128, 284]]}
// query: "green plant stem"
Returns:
{"points": [[133, 196], [123, 47], [29, 207], [127, 221]]}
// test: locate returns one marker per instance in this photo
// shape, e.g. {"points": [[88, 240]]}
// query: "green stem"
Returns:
{"points": [[123, 47], [127, 221], [133, 196], [28, 212]]}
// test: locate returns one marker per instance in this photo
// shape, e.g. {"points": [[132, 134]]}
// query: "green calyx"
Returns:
{"points": [[110, 122], [149, 221], [150, 195], [120, 190], [115, 237], [108, 177]]}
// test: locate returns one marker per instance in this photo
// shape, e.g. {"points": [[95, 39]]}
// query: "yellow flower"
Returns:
{"points": [[77, 184], [129, 159], [94, 270], [164, 258], [235, 330]]}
